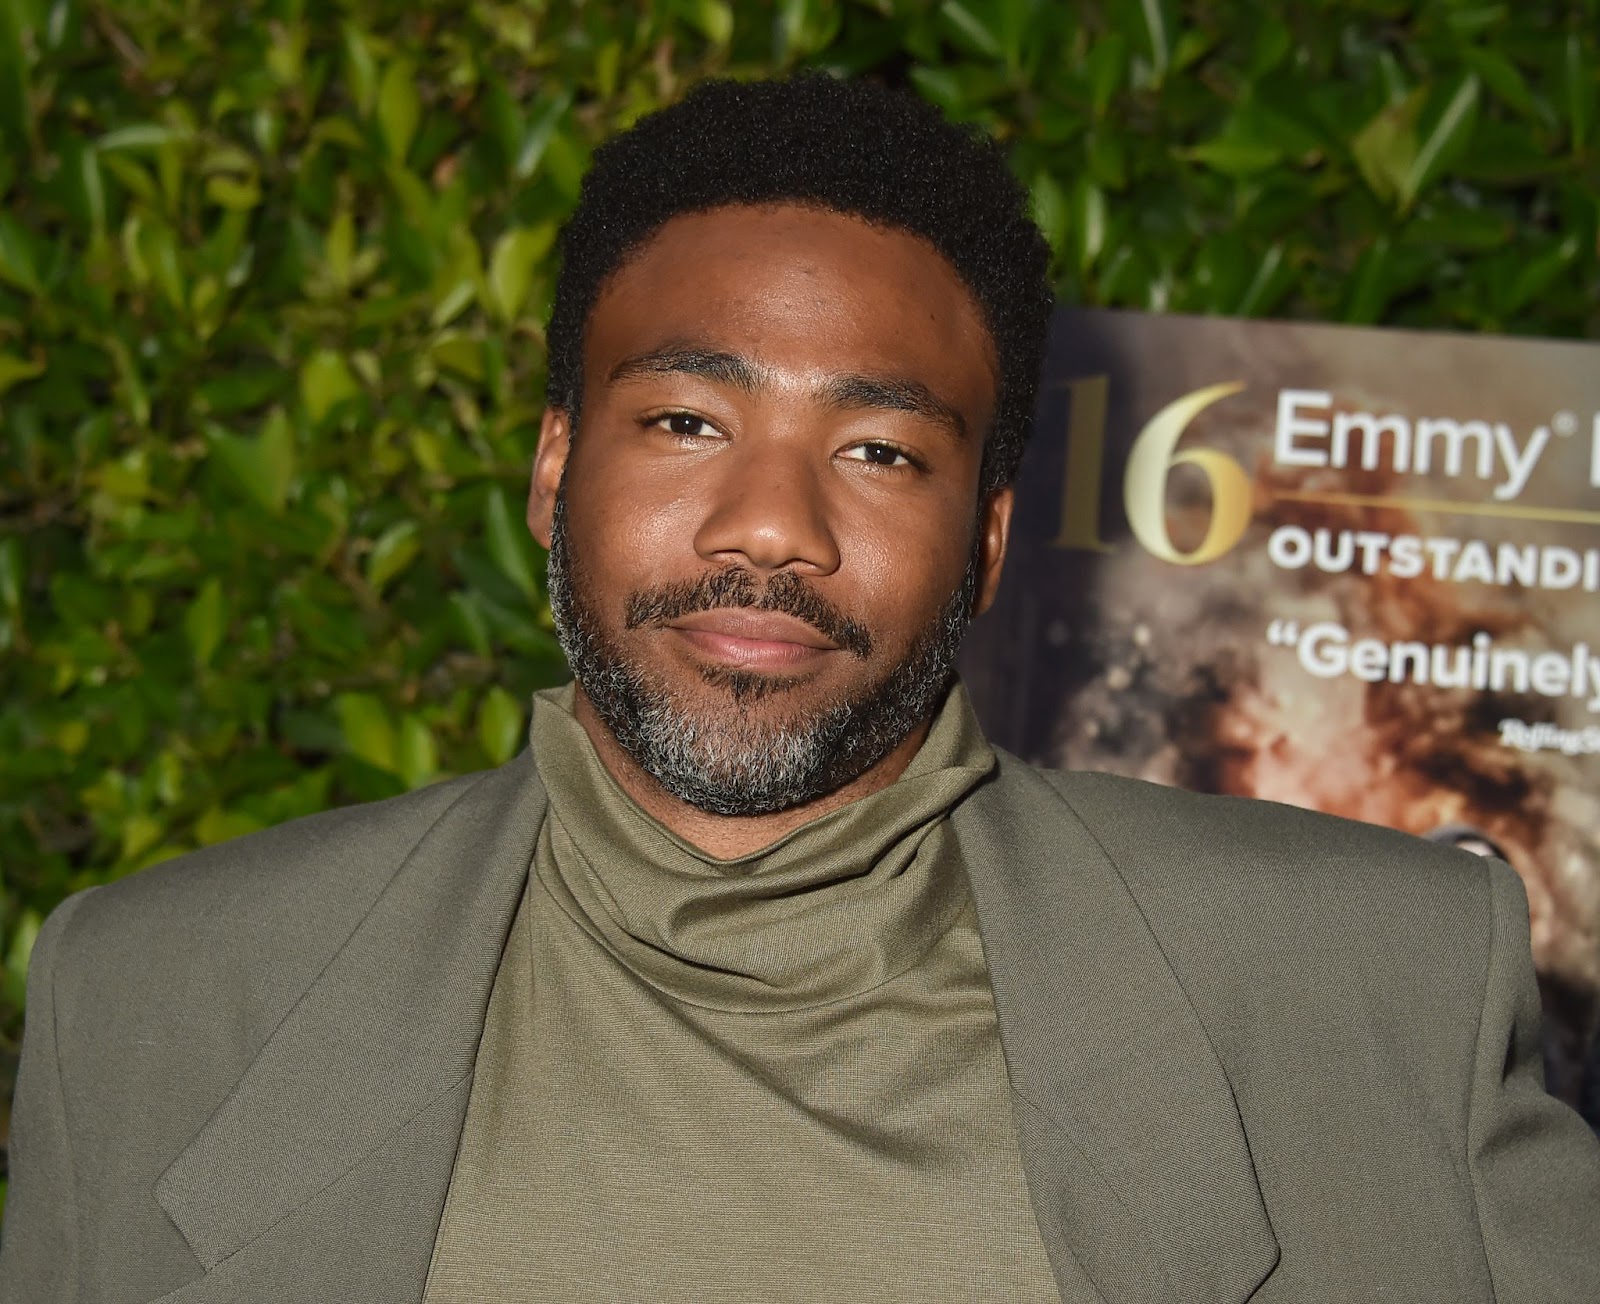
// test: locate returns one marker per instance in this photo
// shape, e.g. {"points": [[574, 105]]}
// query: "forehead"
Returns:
{"points": [[802, 289]]}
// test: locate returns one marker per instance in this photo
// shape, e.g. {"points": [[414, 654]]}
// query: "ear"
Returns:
{"points": [[994, 526], [549, 464]]}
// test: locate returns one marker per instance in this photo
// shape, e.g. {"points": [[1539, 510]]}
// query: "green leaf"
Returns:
{"points": [[92, 189], [1385, 150], [499, 725], [454, 300], [152, 254], [399, 107], [16, 109], [460, 353], [1235, 157], [242, 387], [1269, 281], [15, 370], [713, 18], [325, 382], [1457, 226], [206, 621], [18, 260], [19, 953], [361, 70], [1272, 43], [975, 27], [143, 135], [1107, 67], [263, 467], [1371, 287], [1448, 137], [394, 550], [540, 130], [1160, 38], [516, 257], [1500, 75], [339, 249], [13, 573], [1538, 275], [418, 754], [1088, 222], [471, 623], [508, 541], [1468, 20], [1577, 74], [233, 193], [219, 825], [133, 397], [1050, 210], [140, 832], [366, 729]]}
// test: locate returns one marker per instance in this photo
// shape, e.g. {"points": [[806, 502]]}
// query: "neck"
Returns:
{"points": [[728, 837]]}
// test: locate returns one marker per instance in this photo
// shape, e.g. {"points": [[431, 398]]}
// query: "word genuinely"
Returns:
{"points": [[1542, 736], [1458, 561], [1309, 433], [1327, 650]]}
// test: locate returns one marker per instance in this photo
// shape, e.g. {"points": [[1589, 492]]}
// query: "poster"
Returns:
{"points": [[1355, 570]]}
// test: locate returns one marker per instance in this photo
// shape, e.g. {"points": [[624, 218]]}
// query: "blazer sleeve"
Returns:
{"points": [[1535, 1164], [38, 1242]]}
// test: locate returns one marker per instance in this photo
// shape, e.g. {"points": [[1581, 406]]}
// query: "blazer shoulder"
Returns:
{"points": [[1256, 834], [1278, 920], [267, 892], [1156, 834]]}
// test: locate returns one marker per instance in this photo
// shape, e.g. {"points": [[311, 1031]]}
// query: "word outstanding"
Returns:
{"points": [[1456, 561]]}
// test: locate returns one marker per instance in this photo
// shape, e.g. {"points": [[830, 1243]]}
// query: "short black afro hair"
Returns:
{"points": [[850, 146]]}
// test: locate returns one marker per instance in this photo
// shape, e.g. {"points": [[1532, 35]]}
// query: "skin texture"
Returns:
{"points": [[778, 389]]}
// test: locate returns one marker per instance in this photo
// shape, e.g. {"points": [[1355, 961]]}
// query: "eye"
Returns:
{"points": [[685, 424], [879, 454]]}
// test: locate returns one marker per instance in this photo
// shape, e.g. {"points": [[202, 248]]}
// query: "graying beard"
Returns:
{"points": [[731, 766]]}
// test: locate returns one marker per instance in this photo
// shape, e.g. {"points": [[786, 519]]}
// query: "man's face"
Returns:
{"points": [[768, 538]]}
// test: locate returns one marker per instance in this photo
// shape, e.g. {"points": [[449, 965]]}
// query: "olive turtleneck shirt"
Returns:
{"points": [[771, 1078]]}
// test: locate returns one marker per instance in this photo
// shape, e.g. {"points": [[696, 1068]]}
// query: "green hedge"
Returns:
{"points": [[272, 287]]}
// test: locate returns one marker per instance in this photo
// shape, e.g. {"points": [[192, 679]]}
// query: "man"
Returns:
{"points": [[758, 976]]}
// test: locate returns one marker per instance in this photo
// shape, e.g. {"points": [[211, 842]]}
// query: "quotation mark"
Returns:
{"points": [[1283, 633]]}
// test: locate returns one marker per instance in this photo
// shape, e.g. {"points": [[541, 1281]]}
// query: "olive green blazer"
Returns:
{"points": [[1254, 1053]]}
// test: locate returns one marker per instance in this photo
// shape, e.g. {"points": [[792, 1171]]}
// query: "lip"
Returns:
{"points": [[752, 639]]}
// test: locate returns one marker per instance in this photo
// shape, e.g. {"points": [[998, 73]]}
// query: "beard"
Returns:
{"points": [[741, 755]]}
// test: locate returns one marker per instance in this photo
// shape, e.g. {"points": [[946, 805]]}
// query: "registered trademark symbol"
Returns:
{"points": [[1565, 424]]}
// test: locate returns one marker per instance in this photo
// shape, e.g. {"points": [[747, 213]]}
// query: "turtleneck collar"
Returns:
{"points": [[835, 908]]}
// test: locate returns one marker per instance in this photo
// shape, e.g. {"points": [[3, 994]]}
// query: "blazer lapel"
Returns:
{"points": [[324, 1173], [1131, 1141]]}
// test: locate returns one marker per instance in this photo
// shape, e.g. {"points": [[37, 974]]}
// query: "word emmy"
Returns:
{"points": [[1307, 433]]}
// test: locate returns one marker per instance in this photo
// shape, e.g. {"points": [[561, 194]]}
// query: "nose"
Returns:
{"points": [[769, 510]]}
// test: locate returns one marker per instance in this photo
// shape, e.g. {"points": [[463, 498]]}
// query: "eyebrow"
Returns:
{"points": [[894, 395], [713, 364], [890, 394]]}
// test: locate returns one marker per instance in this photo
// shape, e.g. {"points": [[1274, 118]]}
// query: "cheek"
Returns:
{"points": [[902, 569], [627, 524]]}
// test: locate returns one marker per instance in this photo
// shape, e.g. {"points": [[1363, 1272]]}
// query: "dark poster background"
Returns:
{"points": [[1350, 569]]}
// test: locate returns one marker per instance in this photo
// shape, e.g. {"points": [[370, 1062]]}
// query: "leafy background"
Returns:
{"points": [[273, 279]]}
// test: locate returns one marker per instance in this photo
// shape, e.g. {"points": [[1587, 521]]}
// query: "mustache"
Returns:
{"points": [[739, 588]]}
